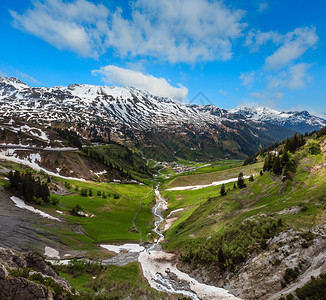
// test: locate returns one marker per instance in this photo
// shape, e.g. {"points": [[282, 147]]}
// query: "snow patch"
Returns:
{"points": [[100, 173], [32, 164], [157, 265], [21, 204], [51, 252], [197, 187], [127, 247]]}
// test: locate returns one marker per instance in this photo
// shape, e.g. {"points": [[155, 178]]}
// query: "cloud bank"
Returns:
{"points": [[295, 44], [79, 26], [173, 30], [156, 86]]}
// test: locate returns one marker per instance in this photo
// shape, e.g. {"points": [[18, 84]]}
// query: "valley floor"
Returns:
{"points": [[198, 222]]}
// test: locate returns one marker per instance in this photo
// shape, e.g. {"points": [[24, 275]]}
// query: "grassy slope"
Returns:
{"points": [[267, 195], [191, 200], [121, 282], [112, 220], [124, 158], [111, 223], [221, 171]]}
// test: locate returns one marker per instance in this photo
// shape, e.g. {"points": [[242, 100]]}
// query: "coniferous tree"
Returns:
{"points": [[285, 159], [268, 163], [241, 183], [29, 188], [223, 191], [221, 258], [277, 167]]}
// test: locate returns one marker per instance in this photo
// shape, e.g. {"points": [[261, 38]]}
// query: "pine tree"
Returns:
{"points": [[285, 159], [222, 191], [251, 178], [268, 163], [221, 258], [287, 145], [241, 183], [277, 167]]}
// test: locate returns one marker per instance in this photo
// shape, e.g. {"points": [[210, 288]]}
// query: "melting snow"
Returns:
{"points": [[51, 252], [31, 162], [197, 187], [127, 247], [157, 265], [21, 204], [100, 173]]}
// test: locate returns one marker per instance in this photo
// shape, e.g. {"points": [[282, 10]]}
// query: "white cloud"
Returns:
{"points": [[298, 77], [258, 95], [79, 26], [263, 6], [295, 44], [172, 30], [177, 30], [277, 84], [256, 38], [156, 86], [247, 79], [293, 78]]}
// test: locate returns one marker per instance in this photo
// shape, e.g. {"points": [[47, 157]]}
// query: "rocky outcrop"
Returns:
{"points": [[262, 276], [29, 277], [20, 288]]}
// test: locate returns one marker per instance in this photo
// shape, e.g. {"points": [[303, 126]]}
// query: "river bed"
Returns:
{"points": [[160, 267]]}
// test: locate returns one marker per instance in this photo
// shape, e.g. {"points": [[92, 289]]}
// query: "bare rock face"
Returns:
{"points": [[16, 277], [20, 288], [3, 272]]}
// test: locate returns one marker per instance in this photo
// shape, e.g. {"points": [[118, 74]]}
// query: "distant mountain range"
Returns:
{"points": [[300, 121], [160, 127]]}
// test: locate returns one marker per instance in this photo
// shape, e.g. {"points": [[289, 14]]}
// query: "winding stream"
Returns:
{"points": [[160, 267]]}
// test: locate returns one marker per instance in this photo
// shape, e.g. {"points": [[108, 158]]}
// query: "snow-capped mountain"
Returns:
{"points": [[154, 124], [129, 106], [81, 102], [300, 121]]}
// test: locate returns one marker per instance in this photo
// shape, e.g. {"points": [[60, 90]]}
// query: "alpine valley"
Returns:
{"points": [[115, 193]]}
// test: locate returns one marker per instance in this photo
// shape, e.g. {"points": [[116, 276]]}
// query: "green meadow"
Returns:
{"points": [[121, 281], [299, 202], [220, 171], [111, 217]]}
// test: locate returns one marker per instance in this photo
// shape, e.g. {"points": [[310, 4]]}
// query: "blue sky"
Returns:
{"points": [[252, 52]]}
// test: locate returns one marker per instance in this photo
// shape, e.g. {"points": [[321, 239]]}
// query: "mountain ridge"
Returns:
{"points": [[135, 117], [87, 94]]}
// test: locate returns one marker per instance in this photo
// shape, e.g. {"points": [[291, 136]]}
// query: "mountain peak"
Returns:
{"points": [[132, 107], [14, 82]]}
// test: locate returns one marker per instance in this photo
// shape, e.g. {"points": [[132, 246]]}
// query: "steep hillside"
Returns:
{"points": [[264, 239], [153, 124], [65, 153]]}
